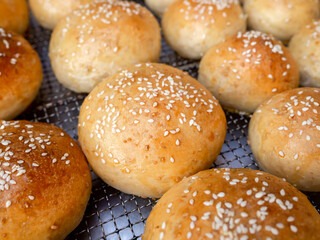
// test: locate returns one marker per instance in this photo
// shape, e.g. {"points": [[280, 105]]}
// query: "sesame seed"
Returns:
{"points": [[293, 228], [8, 203], [290, 219], [221, 194], [209, 235], [260, 194]]}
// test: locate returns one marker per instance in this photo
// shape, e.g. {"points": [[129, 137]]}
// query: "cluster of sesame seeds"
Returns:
{"points": [[206, 7], [105, 11], [315, 33], [6, 48], [249, 39], [231, 218], [12, 164], [252, 43], [88, 25], [302, 111], [147, 101]]}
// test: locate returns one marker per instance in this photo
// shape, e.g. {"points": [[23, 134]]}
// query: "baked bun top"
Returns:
{"points": [[247, 69], [20, 74], [49, 12], [146, 127], [14, 15], [206, 9], [45, 181], [191, 27], [304, 46], [233, 204], [281, 18], [99, 39], [284, 134]]}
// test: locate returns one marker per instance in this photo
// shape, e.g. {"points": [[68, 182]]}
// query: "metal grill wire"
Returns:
{"points": [[111, 214]]}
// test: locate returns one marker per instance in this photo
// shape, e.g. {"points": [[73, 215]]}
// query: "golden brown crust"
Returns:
{"points": [[114, 34], [304, 46], [247, 69], [233, 204], [45, 182], [49, 12], [284, 137], [14, 15], [145, 128], [192, 27], [20, 74], [281, 18]]}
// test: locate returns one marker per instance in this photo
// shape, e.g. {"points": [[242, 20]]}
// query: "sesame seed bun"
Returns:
{"points": [[14, 15], [159, 7], [284, 135], [191, 27], [233, 204], [97, 40], [20, 74], [49, 12], [146, 127], [305, 48], [281, 18], [248, 69], [45, 182]]}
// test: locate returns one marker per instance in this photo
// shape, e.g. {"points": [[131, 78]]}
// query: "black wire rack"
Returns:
{"points": [[111, 214]]}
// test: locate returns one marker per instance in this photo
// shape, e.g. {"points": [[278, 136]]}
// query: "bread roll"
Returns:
{"points": [[45, 182], [20, 74], [97, 40], [191, 27], [14, 15], [148, 126], [49, 12], [233, 204], [306, 49], [284, 135], [281, 18], [247, 69]]}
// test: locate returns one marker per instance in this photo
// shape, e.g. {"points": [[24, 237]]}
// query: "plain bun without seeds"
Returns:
{"points": [[20, 74], [233, 204], [247, 69], [45, 182], [284, 134], [148, 126], [99, 39]]}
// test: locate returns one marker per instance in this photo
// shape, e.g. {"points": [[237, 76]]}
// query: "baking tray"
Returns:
{"points": [[111, 214]]}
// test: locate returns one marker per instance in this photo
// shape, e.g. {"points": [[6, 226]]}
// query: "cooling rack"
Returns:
{"points": [[113, 215]]}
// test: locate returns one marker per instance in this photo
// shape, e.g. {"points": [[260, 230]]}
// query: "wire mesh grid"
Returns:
{"points": [[111, 214]]}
